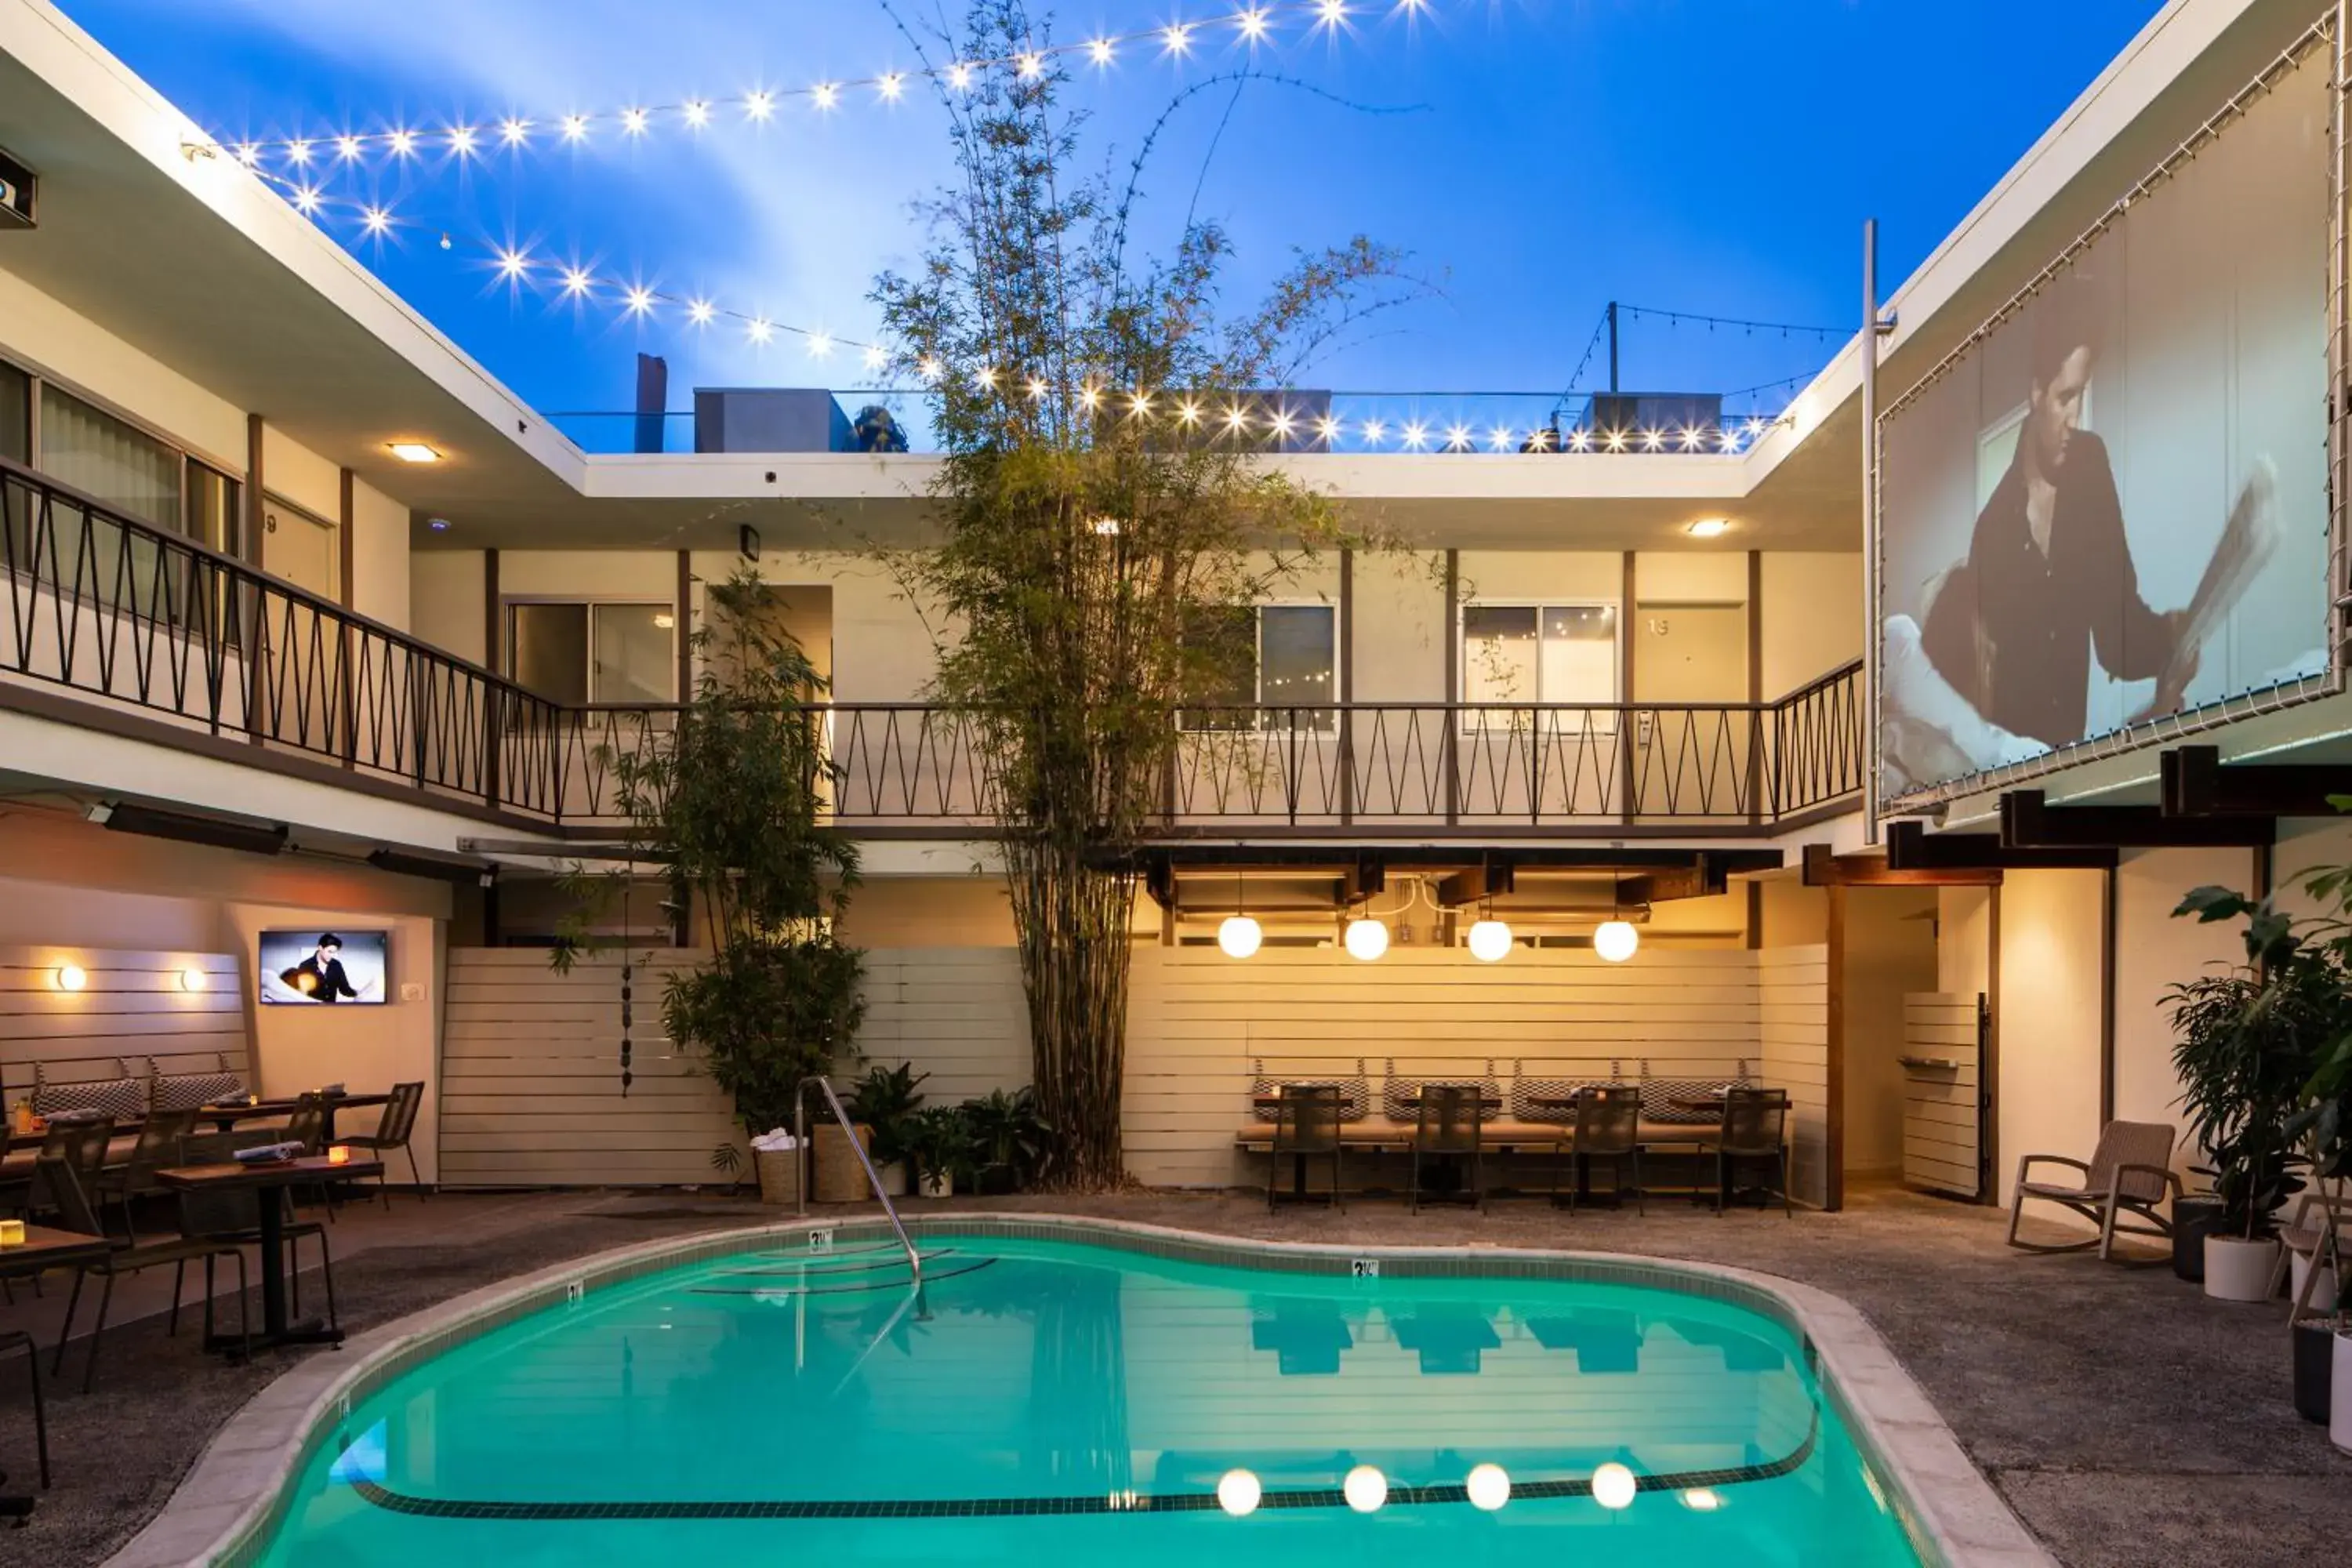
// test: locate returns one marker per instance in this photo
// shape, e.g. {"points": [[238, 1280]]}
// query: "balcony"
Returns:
{"points": [[110, 625]]}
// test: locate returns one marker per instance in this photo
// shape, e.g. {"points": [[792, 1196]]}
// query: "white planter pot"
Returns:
{"points": [[2339, 1397], [2237, 1270], [894, 1178], [2323, 1296], [939, 1186]]}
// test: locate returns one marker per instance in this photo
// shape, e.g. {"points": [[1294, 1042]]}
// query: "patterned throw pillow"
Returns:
{"points": [[1355, 1093], [120, 1097], [1399, 1097], [187, 1090]]}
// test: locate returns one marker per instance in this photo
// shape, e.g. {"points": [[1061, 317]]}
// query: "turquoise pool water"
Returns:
{"points": [[1055, 1402]]}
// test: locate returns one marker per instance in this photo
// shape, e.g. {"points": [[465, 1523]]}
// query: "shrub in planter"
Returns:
{"points": [[938, 1145], [1010, 1142], [887, 1100], [2248, 1040]]}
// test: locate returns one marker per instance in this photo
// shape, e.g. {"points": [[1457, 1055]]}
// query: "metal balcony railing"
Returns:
{"points": [[152, 632]]}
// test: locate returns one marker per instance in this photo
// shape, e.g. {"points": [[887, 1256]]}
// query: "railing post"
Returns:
{"points": [[1347, 741], [1450, 748], [492, 737]]}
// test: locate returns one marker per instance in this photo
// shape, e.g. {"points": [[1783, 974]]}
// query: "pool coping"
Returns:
{"points": [[223, 1512]]}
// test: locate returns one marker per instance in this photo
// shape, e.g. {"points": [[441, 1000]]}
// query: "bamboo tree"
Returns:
{"points": [[1099, 502]]}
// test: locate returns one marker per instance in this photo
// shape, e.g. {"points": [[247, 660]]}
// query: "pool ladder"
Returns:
{"points": [[873, 1177]]}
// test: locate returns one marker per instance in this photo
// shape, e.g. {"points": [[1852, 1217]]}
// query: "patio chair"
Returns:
{"points": [[64, 1191], [234, 1219], [1755, 1129], [2130, 1173], [1447, 1125], [161, 1138], [399, 1124], [1305, 1127], [307, 1125], [1608, 1127], [2306, 1236]]}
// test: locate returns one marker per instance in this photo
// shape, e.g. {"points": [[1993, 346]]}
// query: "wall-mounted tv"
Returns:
{"points": [[316, 967]]}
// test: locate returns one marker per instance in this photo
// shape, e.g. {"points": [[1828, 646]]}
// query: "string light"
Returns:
{"points": [[635, 299], [1252, 25]]}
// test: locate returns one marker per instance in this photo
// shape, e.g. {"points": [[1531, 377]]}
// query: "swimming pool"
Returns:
{"points": [[1052, 1399]]}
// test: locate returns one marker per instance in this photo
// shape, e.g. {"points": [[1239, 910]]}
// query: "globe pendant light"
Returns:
{"points": [[1240, 936], [1615, 940], [1366, 938], [1490, 941]]}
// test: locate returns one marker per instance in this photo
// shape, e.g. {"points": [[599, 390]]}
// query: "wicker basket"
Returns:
{"points": [[839, 1178], [780, 1175]]}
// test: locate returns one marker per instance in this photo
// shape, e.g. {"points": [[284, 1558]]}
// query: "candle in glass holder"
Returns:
{"points": [[339, 1154], [12, 1233]]}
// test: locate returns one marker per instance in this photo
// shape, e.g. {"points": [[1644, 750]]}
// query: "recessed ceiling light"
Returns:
{"points": [[1709, 527], [414, 452]]}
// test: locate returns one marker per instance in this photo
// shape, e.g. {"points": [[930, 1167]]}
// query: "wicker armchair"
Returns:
{"points": [[2129, 1174]]}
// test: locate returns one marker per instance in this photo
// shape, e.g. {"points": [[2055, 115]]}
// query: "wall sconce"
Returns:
{"points": [[194, 979], [71, 977]]}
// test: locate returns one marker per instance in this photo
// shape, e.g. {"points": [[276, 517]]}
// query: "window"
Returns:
{"points": [[1279, 656], [1515, 654], [573, 654], [212, 508], [15, 415], [97, 454]]}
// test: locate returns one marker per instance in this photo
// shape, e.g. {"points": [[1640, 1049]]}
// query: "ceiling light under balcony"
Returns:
{"points": [[412, 451], [1708, 528], [1367, 939]]}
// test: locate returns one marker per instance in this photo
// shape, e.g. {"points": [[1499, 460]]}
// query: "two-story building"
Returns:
{"points": [[310, 624]]}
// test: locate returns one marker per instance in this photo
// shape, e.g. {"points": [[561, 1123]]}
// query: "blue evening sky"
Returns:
{"points": [[1713, 156]]}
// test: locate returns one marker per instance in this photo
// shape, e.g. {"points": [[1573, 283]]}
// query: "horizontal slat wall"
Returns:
{"points": [[1941, 1127], [134, 1006], [1793, 1037], [531, 1076], [531, 1060], [956, 1012], [1198, 1022]]}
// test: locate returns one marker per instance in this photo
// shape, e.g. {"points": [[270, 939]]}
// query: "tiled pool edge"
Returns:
{"points": [[222, 1514]]}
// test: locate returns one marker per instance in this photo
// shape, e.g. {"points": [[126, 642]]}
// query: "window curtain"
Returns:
{"points": [[99, 454]]}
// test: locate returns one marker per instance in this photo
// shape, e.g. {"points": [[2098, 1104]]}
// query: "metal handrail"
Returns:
{"points": [[873, 1177]]}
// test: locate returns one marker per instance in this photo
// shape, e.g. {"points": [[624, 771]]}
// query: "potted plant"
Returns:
{"points": [[2248, 1041], [887, 1100], [2323, 1348], [938, 1144], [730, 803], [1008, 1140]]}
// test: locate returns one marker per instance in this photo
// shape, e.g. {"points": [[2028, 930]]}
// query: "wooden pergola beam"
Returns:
{"points": [[1911, 848], [2028, 821], [1826, 869], [2195, 785]]}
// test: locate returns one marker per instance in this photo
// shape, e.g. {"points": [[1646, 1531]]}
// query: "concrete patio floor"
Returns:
{"points": [[2127, 1418]]}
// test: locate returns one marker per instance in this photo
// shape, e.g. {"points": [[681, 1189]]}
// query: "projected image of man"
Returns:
{"points": [[2055, 579]]}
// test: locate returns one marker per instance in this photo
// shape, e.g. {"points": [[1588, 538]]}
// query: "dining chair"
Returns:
{"points": [[1305, 1127], [395, 1131], [1448, 1124], [1755, 1128], [1608, 1127]]}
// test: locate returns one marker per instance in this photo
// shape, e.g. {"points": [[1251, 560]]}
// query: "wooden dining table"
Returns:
{"points": [[228, 1113], [267, 1180]]}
